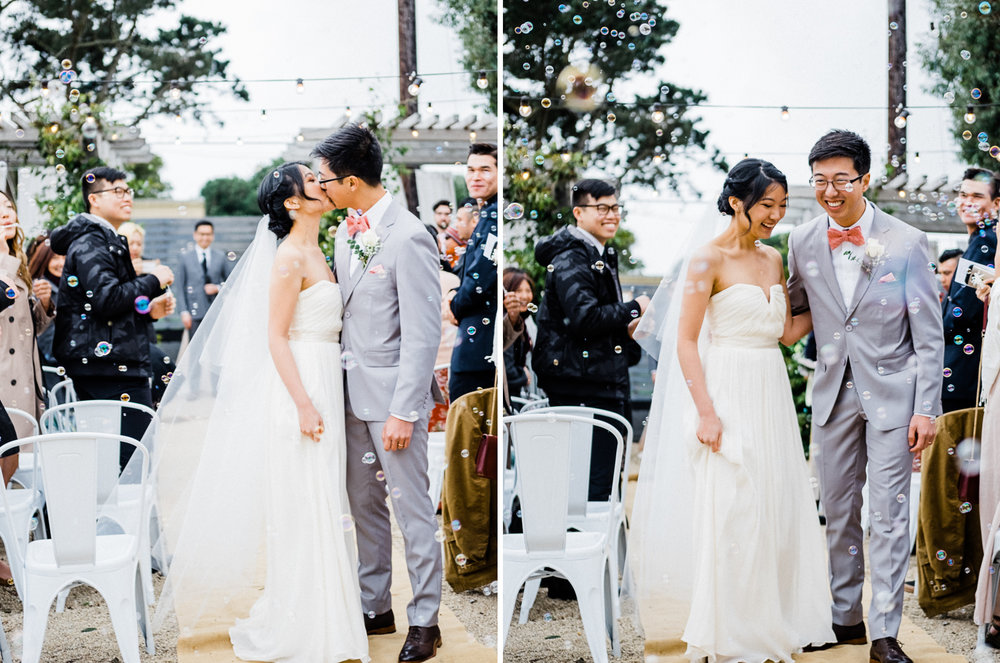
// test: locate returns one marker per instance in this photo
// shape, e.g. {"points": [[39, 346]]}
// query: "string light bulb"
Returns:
{"points": [[524, 110], [263, 114], [482, 82], [916, 157], [901, 119], [300, 86], [657, 115], [472, 136], [347, 111], [414, 87], [784, 112], [970, 115], [175, 92]]}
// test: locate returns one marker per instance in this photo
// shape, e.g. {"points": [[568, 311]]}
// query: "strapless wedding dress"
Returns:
{"points": [[310, 610], [761, 590]]}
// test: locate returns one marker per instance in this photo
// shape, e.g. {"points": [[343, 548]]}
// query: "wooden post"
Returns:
{"points": [[897, 83], [408, 65]]}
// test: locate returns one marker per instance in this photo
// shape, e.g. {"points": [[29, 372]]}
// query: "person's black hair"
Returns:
{"points": [[468, 202], [204, 222], [842, 143], [441, 202], [948, 254], [96, 179], [983, 175], [485, 149], [278, 186], [352, 150], [748, 181], [593, 189]]}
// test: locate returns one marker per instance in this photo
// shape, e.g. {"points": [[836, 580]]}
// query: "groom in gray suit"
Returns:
{"points": [[864, 276], [387, 267]]}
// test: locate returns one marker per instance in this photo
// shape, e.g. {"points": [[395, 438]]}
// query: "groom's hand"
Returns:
{"points": [[396, 434], [922, 432]]}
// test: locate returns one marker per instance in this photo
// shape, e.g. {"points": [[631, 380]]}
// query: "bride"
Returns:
{"points": [[249, 449], [724, 519]]}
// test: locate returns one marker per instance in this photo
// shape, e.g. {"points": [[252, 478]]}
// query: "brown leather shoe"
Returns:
{"points": [[886, 650], [846, 635], [380, 624], [421, 644]]}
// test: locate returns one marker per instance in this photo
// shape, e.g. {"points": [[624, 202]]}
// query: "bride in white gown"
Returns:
{"points": [[724, 521], [249, 451]]}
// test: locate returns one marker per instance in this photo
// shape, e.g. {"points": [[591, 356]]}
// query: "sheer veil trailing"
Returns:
{"points": [[660, 553], [207, 444]]}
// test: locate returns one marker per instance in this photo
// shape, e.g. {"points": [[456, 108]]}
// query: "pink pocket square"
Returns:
{"points": [[888, 278], [377, 269]]}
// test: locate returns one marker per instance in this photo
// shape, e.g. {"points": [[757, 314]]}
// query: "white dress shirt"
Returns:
{"points": [[374, 215], [204, 255], [847, 257]]}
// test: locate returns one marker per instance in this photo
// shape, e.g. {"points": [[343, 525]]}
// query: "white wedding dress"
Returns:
{"points": [[311, 606], [760, 587]]}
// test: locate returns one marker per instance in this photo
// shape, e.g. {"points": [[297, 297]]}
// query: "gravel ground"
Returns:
{"points": [[83, 633]]}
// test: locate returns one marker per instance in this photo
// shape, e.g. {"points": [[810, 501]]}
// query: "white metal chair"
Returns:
{"points": [[530, 405], [25, 474], [76, 553], [544, 444], [435, 465], [24, 511], [105, 416], [62, 393], [585, 515]]}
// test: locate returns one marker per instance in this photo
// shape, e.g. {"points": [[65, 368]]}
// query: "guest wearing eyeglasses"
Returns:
{"points": [[202, 272], [105, 310], [584, 348]]}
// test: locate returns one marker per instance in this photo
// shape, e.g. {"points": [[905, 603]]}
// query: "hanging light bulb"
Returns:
{"points": [[430, 108], [177, 117], [657, 115], [916, 157], [300, 86], [525, 174], [414, 88], [901, 119], [300, 137], [524, 109], [482, 82], [175, 92], [784, 112], [970, 115], [263, 114], [472, 136], [54, 128], [239, 141], [415, 133]]}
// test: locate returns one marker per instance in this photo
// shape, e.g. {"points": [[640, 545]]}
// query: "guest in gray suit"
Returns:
{"points": [[387, 267], [201, 273], [864, 276]]}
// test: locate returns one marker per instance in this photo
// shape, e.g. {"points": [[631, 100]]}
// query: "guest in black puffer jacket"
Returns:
{"points": [[583, 348], [104, 314]]}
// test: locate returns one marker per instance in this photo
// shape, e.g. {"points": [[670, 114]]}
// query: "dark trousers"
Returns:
{"points": [[467, 382], [603, 444], [96, 388]]}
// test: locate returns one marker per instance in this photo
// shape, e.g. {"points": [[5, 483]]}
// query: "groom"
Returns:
{"points": [[864, 276], [387, 268]]}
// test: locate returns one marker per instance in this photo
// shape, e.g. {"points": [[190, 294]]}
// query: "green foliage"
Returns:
{"points": [[116, 56], [230, 196], [603, 46], [475, 21], [966, 57], [540, 181], [791, 354]]}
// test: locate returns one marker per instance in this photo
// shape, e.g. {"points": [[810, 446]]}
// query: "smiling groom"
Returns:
{"points": [[387, 267], [864, 276]]}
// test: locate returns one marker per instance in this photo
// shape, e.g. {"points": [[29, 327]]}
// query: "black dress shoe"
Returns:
{"points": [[886, 650], [421, 644], [846, 635], [380, 624]]}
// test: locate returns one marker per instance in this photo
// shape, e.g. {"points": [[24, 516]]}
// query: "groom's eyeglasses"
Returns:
{"points": [[333, 179], [604, 210], [840, 184]]}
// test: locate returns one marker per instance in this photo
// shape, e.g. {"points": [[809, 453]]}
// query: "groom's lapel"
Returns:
{"points": [[382, 230], [879, 231], [824, 262]]}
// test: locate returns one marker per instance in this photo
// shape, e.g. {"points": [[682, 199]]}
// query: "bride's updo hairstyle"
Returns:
{"points": [[748, 180], [278, 186]]}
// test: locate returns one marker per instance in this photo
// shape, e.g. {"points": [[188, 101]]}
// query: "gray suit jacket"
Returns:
{"points": [[189, 281], [891, 332], [392, 318]]}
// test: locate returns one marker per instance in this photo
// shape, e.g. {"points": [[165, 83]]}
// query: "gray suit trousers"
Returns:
{"points": [[845, 445], [408, 485]]}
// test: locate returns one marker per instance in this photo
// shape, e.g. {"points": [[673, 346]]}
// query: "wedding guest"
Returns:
{"points": [[105, 310], [583, 349], [515, 357], [439, 414], [200, 274], [989, 470], [26, 309], [136, 236], [947, 262], [978, 201], [456, 235], [474, 303], [46, 264], [442, 215]]}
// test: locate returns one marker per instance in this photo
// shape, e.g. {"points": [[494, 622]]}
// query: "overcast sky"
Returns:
{"points": [[794, 53], [302, 39]]}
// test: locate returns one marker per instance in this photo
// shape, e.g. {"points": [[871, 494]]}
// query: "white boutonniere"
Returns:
{"points": [[365, 244], [874, 255]]}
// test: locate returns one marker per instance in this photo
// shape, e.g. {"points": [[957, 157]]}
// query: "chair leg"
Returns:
{"points": [[591, 601], [61, 599], [142, 612], [510, 588], [531, 587], [612, 608], [36, 619], [118, 591]]}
